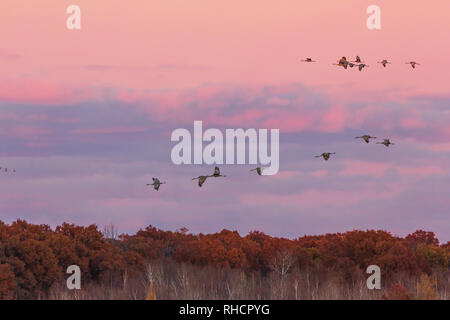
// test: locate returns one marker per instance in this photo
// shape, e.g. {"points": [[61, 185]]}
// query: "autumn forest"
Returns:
{"points": [[157, 264]]}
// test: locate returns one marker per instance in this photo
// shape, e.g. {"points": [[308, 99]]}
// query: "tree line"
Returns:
{"points": [[225, 265]]}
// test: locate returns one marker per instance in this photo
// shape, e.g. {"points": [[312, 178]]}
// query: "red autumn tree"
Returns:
{"points": [[7, 283]]}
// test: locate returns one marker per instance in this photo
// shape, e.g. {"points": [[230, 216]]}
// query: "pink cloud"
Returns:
{"points": [[287, 175], [334, 119], [440, 147], [364, 168], [413, 120], [319, 173], [423, 171], [315, 198], [34, 90], [413, 123]]}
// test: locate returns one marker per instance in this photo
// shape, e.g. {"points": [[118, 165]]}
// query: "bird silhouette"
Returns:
{"points": [[366, 138], [384, 62], [361, 66], [325, 155], [156, 183], [342, 62], [308, 60], [201, 180], [413, 64], [386, 142]]}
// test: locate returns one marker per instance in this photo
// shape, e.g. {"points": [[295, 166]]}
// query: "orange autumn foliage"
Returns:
{"points": [[34, 257]]}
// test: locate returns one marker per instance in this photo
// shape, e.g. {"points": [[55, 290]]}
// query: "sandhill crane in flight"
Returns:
{"points": [[386, 142], [361, 66], [325, 155], [413, 64], [156, 183], [366, 138], [308, 60], [342, 62], [201, 180], [384, 62], [258, 170]]}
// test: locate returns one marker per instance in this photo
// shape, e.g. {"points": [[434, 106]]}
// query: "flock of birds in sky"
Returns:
{"points": [[6, 170], [259, 170], [326, 155], [343, 62]]}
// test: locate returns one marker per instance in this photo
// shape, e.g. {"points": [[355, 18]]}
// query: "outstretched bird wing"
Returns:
{"points": [[201, 180]]}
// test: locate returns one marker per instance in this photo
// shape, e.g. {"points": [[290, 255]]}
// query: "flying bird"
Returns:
{"points": [[308, 60], [325, 155], [201, 180], [384, 62], [156, 183], [361, 66], [386, 142], [366, 138], [258, 170], [413, 64], [342, 62]]}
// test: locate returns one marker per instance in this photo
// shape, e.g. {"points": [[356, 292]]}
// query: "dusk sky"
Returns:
{"points": [[86, 115]]}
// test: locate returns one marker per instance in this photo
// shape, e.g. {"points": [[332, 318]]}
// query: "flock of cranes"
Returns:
{"points": [[259, 170], [325, 155], [367, 138], [201, 179], [7, 170], [343, 62]]}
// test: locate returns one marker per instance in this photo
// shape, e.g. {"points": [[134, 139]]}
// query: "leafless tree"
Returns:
{"points": [[282, 262], [110, 232]]}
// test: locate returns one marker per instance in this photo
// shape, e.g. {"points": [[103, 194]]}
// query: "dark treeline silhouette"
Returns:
{"points": [[178, 265]]}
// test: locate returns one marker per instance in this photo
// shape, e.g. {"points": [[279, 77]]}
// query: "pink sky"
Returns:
{"points": [[137, 69], [147, 45]]}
